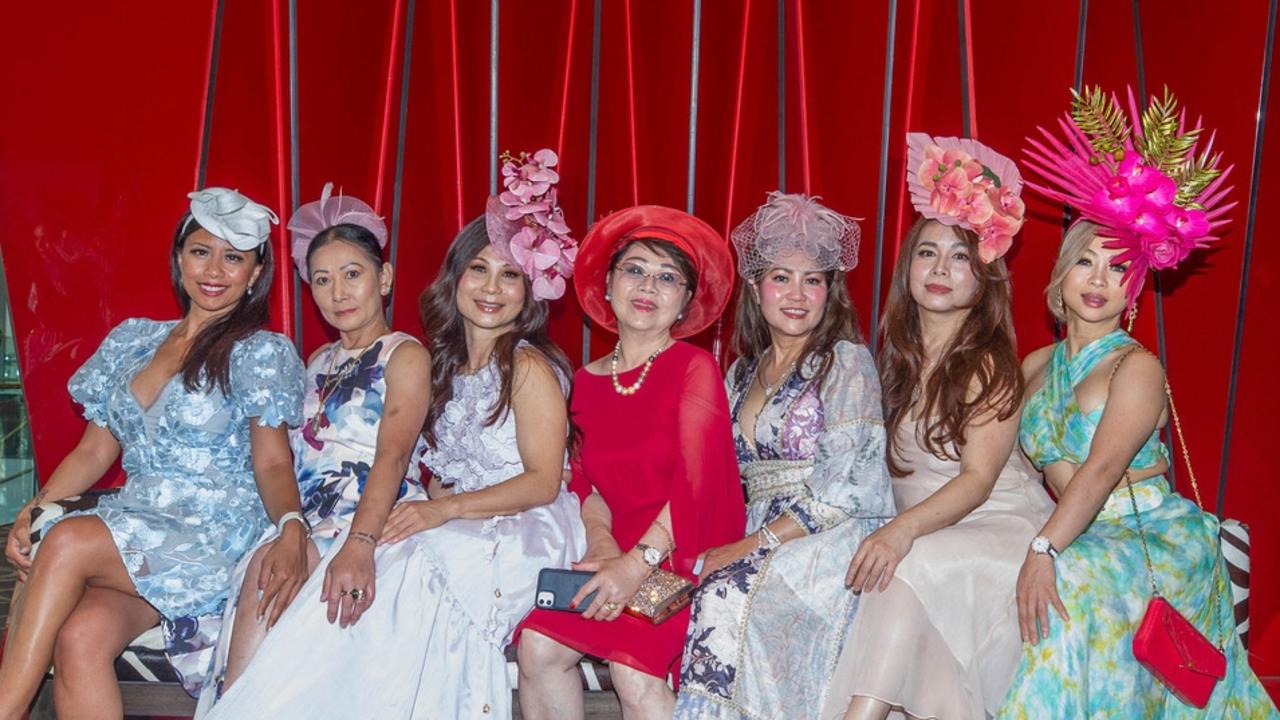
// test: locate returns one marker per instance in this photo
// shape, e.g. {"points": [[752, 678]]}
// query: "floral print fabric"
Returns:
{"points": [[1086, 668], [189, 508], [818, 458]]}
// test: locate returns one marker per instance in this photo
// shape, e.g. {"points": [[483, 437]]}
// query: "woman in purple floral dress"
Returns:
{"points": [[770, 616]]}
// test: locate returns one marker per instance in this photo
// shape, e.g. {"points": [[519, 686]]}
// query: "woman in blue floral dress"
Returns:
{"points": [[195, 409], [770, 616]]}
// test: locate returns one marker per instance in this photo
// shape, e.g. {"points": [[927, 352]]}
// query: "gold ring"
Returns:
{"points": [[610, 607]]}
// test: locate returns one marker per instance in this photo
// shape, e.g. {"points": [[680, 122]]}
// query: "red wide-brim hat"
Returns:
{"points": [[704, 246]]}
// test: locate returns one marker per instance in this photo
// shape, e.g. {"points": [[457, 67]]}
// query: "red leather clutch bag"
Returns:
{"points": [[1168, 645]]}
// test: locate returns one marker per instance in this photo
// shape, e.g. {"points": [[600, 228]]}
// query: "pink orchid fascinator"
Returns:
{"points": [[795, 223], [1136, 175], [526, 226], [317, 216], [960, 181]]}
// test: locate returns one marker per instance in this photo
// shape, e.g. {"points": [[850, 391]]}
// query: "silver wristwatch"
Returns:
{"points": [[652, 556], [1041, 546]]}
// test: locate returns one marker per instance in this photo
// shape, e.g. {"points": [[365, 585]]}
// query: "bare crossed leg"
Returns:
{"points": [[77, 556]]}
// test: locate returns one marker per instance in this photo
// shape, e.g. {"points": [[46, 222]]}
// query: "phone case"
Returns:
{"points": [[557, 587]]}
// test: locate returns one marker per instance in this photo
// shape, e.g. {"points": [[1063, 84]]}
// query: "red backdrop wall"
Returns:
{"points": [[113, 114]]}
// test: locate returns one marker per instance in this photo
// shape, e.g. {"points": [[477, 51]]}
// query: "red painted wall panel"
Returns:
{"points": [[125, 138], [98, 144]]}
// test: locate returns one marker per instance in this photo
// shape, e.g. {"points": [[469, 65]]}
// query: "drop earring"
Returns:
{"points": [[1130, 316]]}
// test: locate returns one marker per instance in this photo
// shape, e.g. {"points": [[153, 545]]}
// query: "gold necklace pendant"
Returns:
{"points": [[632, 389], [770, 389], [333, 380]]}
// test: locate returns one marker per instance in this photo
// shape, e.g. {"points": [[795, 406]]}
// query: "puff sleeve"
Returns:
{"points": [[89, 385], [850, 476], [267, 379]]}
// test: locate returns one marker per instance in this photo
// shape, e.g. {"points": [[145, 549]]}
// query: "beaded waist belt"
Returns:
{"points": [[766, 479]]}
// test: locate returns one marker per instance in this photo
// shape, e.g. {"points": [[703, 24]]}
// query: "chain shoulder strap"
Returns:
{"points": [[1216, 582]]}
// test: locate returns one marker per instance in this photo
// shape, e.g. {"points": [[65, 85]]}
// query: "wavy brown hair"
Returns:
{"points": [[978, 371], [839, 321], [446, 338], [207, 363]]}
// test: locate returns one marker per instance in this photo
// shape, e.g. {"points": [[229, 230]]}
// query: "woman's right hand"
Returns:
{"points": [[17, 549], [600, 547]]}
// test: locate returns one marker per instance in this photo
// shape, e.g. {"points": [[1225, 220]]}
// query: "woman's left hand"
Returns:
{"points": [[877, 558], [616, 581], [284, 570], [349, 582], [718, 557], [1037, 590], [414, 516]]}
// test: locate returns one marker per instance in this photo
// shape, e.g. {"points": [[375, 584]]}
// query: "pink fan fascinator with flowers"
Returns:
{"points": [[317, 216], [960, 181], [526, 226], [1136, 175]]}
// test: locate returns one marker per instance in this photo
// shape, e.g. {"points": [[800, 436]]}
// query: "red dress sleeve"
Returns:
{"points": [[707, 504]]}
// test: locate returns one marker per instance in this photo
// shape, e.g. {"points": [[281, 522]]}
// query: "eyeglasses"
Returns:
{"points": [[664, 280]]}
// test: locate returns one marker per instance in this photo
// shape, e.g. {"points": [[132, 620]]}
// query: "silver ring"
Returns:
{"points": [[356, 594]]}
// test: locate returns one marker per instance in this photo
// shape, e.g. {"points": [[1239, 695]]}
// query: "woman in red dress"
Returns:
{"points": [[654, 467]]}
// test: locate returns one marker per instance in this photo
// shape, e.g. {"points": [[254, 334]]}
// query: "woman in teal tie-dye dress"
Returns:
{"points": [[1095, 406]]}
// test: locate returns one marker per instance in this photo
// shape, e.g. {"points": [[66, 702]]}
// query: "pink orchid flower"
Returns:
{"points": [[951, 190], [1009, 203], [1191, 225], [975, 208], [1161, 193], [548, 287], [1150, 224], [993, 245], [1116, 201]]}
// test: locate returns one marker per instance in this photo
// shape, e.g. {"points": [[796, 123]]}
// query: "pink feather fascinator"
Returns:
{"points": [[317, 216]]}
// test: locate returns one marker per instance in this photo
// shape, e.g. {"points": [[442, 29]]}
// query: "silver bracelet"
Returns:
{"points": [[295, 515], [768, 538]]}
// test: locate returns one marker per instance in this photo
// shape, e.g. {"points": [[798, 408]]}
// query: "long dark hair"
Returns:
{"points": [[446, 337], [839, 322], [207, 363], [983, 352]]}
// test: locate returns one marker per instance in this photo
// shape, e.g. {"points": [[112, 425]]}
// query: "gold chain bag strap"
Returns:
{"points": [[1166, 643]]}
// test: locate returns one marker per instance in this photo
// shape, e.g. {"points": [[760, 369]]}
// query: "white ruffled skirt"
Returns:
{"points": [[430, 646]]}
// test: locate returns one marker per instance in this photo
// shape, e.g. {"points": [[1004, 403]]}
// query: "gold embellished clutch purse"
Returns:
{"points": [[660, 596]]}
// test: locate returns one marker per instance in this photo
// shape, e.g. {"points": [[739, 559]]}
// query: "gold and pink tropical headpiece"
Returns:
{"points": [[1136, 175]]}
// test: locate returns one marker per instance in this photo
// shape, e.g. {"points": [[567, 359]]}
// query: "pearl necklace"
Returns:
{"points": [[632, 389]]}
